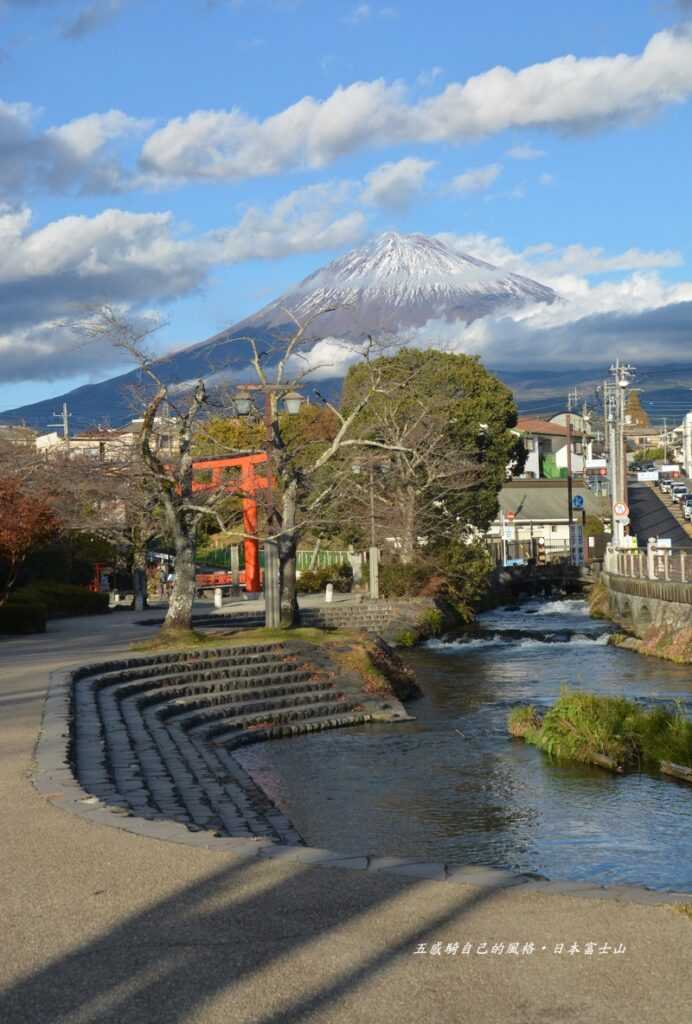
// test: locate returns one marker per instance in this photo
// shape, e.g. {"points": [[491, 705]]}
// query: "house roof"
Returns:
{"points": [[530, 425], [546, 500]]}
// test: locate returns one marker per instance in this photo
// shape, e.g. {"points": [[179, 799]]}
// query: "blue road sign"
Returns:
{"points": [[578, 501]]}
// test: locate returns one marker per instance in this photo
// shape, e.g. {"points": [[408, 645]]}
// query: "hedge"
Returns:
{"points": [[313, 581], [22, 617], [62, 599]]}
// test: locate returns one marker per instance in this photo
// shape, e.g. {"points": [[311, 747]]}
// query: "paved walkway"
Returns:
{"points": [[101, 926]]}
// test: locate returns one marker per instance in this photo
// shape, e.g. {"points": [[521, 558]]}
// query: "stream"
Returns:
{"points": [[453, 786]]}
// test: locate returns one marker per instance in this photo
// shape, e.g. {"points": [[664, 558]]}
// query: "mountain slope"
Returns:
{"points": [[392, 285]]}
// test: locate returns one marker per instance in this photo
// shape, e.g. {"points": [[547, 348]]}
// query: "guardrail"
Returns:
{"points": [[652, 563]]}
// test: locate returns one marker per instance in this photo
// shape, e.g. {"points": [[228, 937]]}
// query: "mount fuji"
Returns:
{"points": [[393, 285]]}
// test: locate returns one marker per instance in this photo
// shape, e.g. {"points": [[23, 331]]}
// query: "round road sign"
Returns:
{"points": [[620, 509], [509, 516], [578, 501]]}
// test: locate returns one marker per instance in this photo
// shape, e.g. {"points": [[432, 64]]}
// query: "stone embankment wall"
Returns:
{"points": [[637, 605]]}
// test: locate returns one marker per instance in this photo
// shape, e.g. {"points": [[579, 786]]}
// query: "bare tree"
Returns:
{"points": [[170, 472]]}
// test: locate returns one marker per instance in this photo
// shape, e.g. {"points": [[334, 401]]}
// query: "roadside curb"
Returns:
{"points": [[53, 779]]}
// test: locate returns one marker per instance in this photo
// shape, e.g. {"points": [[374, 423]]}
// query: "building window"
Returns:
{"points": [[530, 444]]}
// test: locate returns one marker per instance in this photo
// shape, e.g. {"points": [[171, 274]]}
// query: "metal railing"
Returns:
{"points": [[653, 563]]}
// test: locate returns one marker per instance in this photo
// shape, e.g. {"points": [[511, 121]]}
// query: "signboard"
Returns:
{"points": [[576, 543], [596, 464], [661, 542], [508, 533], [649, 475], [578, 502], [620, 509]]}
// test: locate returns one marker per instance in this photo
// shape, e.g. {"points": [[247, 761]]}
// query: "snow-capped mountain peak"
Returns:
{"points": [[402, 281]]}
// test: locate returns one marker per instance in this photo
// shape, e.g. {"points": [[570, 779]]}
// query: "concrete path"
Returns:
{"points": [[104, 927]]}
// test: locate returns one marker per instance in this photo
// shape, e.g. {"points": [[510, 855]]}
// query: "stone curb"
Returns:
{"points": [[53, 779]]}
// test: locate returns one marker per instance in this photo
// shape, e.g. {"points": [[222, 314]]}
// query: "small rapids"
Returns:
{"points": [[454, 786]]}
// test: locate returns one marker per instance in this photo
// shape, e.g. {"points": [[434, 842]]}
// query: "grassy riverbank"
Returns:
{"points": [[612, 732]]}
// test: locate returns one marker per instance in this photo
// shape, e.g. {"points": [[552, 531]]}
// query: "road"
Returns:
{"points": [[101, 926], [650, 517]]}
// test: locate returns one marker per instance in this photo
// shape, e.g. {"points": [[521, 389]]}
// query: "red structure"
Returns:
{"points": [[247, 484]]}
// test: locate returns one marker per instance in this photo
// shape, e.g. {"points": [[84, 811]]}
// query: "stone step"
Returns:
{"points": [[183, 699], [268, 707], [231, 726], [160, 685], [282, 730], [215, 665]]}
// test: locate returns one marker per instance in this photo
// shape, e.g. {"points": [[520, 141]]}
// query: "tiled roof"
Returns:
{"points": [[529, 425]]}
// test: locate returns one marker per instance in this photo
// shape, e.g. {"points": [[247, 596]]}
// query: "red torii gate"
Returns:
{"points": [[248, 485]]}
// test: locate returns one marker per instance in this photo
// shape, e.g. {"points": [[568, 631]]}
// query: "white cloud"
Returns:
{"points": [[427, 78], [92, 17], [549, 262], [525, 152], [68, 156], [396, 185], [359, 14], [564, 94], [476, 180], [546, 179], [639, 316], [50, 275]]}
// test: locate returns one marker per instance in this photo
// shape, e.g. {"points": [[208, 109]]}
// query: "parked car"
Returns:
{"points": [[678, 492], [687, 507]]}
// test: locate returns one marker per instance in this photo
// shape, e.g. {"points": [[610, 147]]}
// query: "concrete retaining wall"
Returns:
{"points": [[639, 604]]}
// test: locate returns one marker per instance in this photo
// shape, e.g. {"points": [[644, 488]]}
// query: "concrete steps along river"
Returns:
{"points": [[155, 735]]}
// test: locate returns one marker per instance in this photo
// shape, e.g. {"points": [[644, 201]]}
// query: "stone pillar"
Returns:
{"points": [[235, 569], [374, 564]]}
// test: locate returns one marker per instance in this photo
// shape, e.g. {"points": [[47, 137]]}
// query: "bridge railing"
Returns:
{"points": [[653, 563]]}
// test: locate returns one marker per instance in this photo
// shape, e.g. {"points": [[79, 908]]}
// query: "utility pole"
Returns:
{"points": [[621, 374], [665, 441], [373, 555], [64, 417]]}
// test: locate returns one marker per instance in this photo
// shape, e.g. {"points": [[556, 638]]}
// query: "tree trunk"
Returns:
{"points": [[179, 615], [288, 544], [139, 571], [408, 526]]}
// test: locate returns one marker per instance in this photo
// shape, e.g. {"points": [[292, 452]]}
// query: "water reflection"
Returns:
{"points": [[453, 786]]}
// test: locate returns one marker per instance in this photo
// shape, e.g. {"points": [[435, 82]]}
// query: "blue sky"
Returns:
{"points": [[572, 166]]}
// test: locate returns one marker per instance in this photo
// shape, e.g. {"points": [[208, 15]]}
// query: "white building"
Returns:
{"points": [[546, 446]]}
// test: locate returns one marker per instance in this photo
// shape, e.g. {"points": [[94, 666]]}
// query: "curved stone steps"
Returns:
{"points": [[229, 728], [219, 694], [156, 735], [203, 670], [251, 710]]}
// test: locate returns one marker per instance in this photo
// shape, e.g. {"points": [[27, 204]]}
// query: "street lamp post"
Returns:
{"points": [[242, 401]]}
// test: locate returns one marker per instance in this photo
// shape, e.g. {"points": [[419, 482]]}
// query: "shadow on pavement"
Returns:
{"points": [[208, 941]]}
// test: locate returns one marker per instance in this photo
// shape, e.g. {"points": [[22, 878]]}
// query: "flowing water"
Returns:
{"points": [[453, 786]]}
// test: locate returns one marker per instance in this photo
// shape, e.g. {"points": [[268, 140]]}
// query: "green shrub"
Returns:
{"points": [[580, 725], [313, 581], [62, 599], [431, 622], [399, 580], [22, 617]]}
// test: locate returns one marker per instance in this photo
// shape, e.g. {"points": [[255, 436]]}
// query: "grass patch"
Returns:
{"points": [[683, 908], [599, 606], [237, 637], [611, 731]]}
